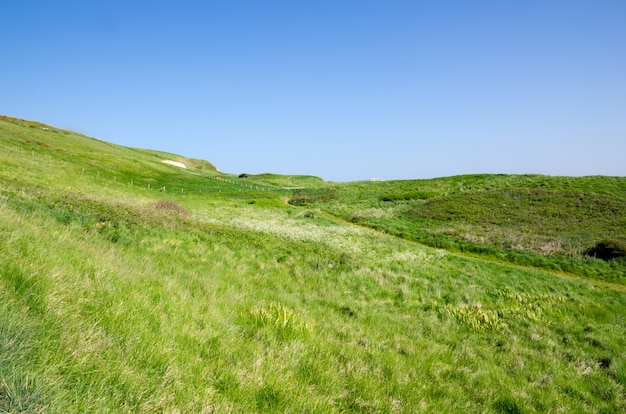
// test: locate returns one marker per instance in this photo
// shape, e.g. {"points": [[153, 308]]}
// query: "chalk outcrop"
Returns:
{"points": [[175, 163]]}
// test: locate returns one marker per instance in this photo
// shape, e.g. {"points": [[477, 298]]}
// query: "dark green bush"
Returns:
{"points": [[267, 202], [608, 250], [411, 195], [302, 198]]}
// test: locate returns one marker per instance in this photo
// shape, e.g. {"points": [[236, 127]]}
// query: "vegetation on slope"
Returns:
{"points": [[223, 298], [554, 223]]}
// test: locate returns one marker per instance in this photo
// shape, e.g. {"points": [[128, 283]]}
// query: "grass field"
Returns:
{"points": [[130, 285]]}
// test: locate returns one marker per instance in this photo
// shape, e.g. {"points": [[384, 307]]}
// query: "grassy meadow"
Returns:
{"points": [[131, 285]]}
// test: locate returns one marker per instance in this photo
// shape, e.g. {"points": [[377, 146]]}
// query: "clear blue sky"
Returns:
{"points": [[345, 90]]}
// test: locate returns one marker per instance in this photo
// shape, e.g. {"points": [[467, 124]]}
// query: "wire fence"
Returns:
{"points": [[153, 184]]}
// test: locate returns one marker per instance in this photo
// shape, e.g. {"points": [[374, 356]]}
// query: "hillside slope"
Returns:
{"points": [[131, 285], [555, 223]]}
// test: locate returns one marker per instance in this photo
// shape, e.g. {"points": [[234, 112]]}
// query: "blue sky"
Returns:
{"points": [[345, 90]]}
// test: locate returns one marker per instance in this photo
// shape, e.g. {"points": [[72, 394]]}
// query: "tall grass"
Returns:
{"points": [[198, 317], [114, 301]]}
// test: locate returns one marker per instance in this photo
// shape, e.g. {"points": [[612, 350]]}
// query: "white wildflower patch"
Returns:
{"points": [[344, 238], [374, 213], [423, 256]]}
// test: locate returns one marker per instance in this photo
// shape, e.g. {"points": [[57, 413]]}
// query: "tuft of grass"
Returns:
{"points": [[475, 317], [279, 318], [21, 394]]}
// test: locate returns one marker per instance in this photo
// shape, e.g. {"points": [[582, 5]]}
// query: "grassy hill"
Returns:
{"points": [[131, 285], [554, 223]]}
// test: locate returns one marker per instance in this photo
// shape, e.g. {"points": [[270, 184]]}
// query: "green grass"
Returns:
{"points": [[548, 222], [223, 297]]}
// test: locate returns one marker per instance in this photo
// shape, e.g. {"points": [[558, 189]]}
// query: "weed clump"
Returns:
{"points": [[475, 317], [285, 321], [169, 205]]}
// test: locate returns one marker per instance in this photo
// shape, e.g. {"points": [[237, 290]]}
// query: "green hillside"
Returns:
{"points": [[554, 223], [131, 285]]}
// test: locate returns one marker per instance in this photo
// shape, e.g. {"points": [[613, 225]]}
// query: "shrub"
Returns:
{"points": [[267, 202], [303, 198], [411, 195], [116, 232], [608, 250]]}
